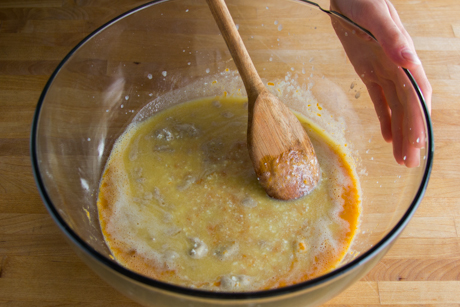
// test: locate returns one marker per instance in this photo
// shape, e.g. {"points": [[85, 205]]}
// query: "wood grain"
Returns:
{"points": [[38, 267]]}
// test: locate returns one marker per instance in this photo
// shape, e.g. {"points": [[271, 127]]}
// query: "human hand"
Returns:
{"points": [[379, 67]]}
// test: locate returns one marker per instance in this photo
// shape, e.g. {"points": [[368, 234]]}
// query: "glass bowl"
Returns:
{"points": [[169, 52]]}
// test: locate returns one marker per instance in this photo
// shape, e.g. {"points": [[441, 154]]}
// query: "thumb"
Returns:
{"points": [[393, 37], [382, 20]]}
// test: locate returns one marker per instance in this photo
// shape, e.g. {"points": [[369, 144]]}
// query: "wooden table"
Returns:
{"points": [[38, 268]]}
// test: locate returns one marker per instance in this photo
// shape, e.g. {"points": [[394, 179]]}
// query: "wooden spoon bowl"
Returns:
{"points": [[281, 151]]}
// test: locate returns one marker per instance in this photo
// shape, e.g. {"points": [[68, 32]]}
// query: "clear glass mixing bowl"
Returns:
{"points": [[168, 52]]}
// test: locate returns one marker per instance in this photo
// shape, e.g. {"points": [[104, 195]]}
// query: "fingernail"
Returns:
{"points": [[410, 56]]}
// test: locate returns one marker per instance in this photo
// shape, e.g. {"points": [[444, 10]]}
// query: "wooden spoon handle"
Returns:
{"points": [[248, 72]]}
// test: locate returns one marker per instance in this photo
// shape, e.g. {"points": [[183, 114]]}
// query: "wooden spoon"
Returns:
{"points": [[280, 149]]}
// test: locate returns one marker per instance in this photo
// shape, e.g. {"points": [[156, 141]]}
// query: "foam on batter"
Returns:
{"points": [[179, 201]]}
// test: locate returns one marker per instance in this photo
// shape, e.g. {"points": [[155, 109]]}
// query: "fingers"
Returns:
{"points": [[397, 119], [414, 117], [413, 133], [382, 109], [400, 115], [415, 127], [422, 81], [411, 153]]}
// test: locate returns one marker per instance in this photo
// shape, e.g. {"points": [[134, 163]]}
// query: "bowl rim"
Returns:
{"points": [[230, 296]]}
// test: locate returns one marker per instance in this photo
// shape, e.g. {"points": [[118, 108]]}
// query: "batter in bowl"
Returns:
{"points": [[179, 202]]}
